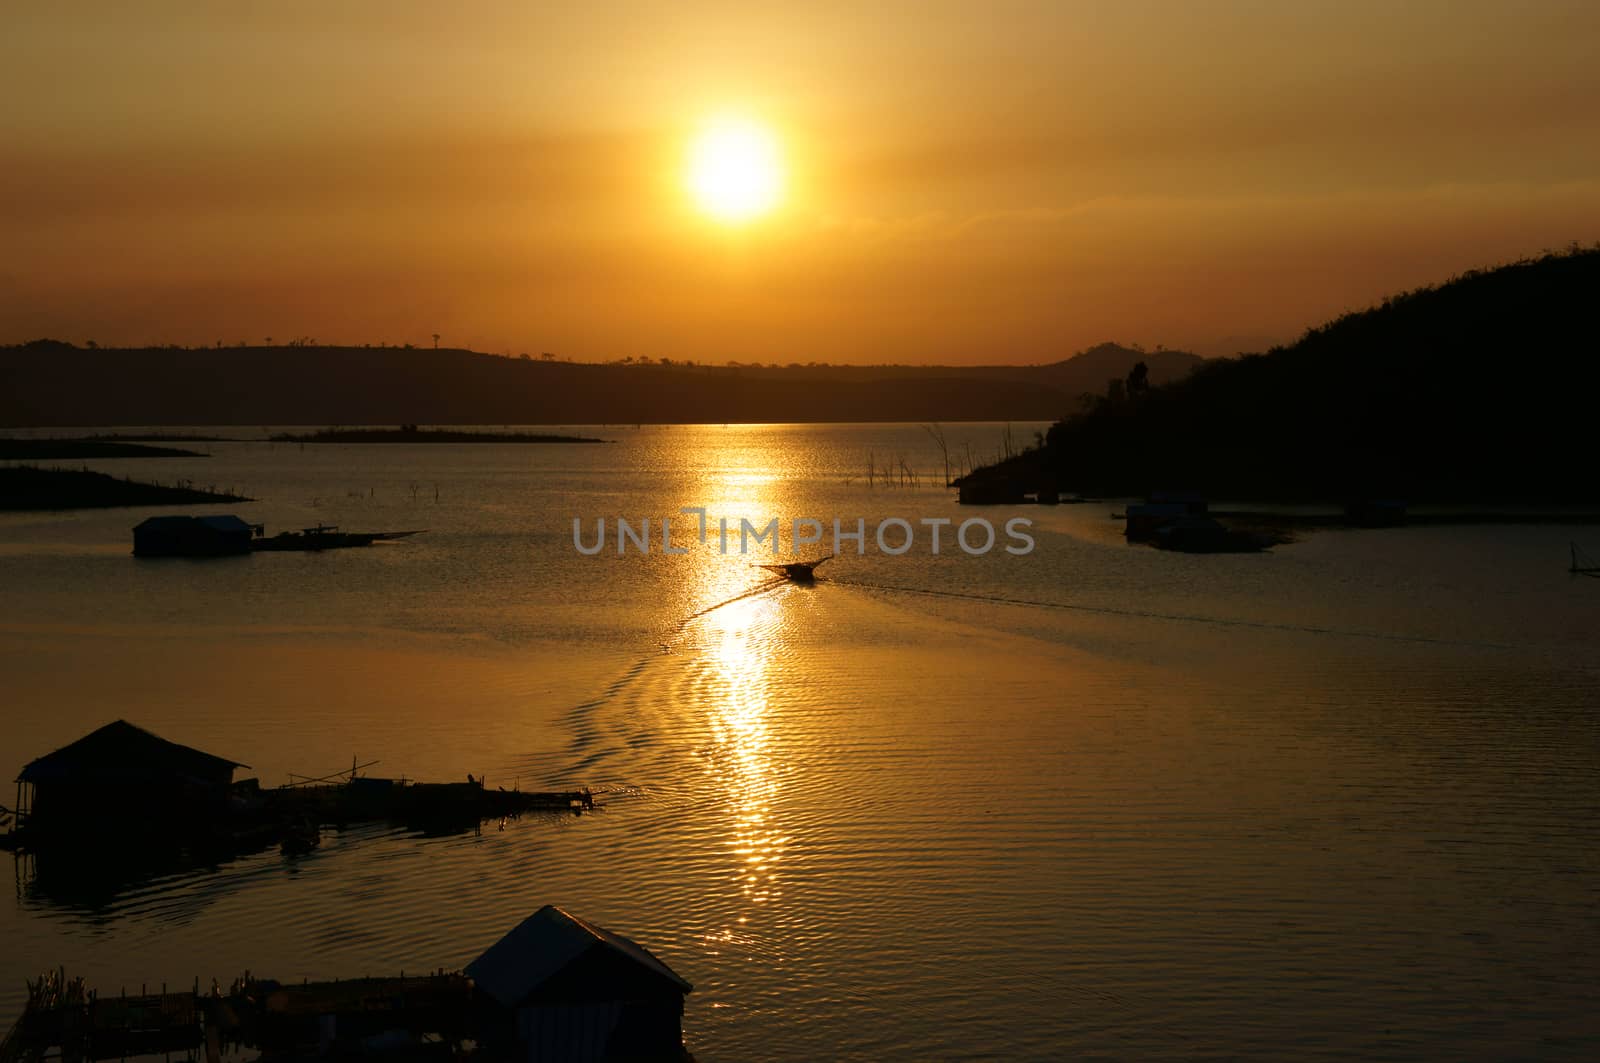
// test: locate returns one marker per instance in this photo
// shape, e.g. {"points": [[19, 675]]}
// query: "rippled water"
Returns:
{"points": [[1336, 800]]}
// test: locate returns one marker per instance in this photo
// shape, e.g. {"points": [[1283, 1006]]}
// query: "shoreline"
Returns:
{"points": [[29, 488], [412, 434], [75, 449]]}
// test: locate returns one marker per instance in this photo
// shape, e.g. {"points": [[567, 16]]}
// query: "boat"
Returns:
{"points": [[1162, 509], [299, 838], [223, 535], [1583, 564], [798, 571], [1205, 535], [325, 537]]}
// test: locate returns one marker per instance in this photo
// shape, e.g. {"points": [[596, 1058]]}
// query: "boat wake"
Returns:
{"points": [[598, 737], [1190, 618]]}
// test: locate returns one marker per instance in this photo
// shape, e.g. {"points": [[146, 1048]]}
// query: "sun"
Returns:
{"points": [[735, 170]]}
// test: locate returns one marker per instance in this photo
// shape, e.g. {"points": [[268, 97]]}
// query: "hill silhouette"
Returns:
{"points": [[49, 383], [29, 487], [76, 449], [1480, 389]]}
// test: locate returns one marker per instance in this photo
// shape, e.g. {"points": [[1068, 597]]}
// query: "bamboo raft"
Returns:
{"points": [[363, 799]]}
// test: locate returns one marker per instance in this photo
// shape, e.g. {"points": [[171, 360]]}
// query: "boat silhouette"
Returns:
{"points": [[798, 571], [325, 537]]}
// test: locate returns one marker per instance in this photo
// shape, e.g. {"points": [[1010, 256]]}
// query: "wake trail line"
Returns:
{"points": [[1192, 618], [639, 666], [579, 717], [760, 588]]}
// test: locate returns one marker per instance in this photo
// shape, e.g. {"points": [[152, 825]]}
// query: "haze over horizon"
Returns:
{"points": [[958, 186]]}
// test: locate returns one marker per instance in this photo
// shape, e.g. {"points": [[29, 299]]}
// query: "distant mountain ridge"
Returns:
{"points": [[47, 383], [1090, 370]]}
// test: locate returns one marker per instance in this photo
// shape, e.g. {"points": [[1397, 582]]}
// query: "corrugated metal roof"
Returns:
{"points": [[120, 751], [226, 522], [539, 948]]}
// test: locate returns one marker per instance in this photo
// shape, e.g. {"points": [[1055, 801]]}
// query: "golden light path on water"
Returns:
{"points": [[736, 643], [741, 758]]}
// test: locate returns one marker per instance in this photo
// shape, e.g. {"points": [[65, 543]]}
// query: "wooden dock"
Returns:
{"points": [[64, 1020], [364, 799], [421, 1016], [259, 818]]}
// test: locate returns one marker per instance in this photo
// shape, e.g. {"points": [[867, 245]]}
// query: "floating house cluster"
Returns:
{"points": [[556, 987], [122, 787]]}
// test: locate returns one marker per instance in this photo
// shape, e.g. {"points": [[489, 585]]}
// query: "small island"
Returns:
{"points": [[78, 449], [161, 437], [410, 433], [28, 487]]}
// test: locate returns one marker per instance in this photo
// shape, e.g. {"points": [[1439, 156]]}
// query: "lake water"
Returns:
{"points": [[1337, 800]]}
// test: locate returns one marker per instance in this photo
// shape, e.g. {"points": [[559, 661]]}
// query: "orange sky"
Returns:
{"points": [[994, 182]]}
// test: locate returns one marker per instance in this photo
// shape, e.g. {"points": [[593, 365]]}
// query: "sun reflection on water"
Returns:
{"points": [[738, 643]]}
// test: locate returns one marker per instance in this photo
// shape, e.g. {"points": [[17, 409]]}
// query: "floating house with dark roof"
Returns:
{"points": [[569, 990], [183, 536], [126, 778], [1164, 508]]}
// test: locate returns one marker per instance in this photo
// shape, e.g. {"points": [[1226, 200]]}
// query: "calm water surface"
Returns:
{"points": [[1339, 800]]}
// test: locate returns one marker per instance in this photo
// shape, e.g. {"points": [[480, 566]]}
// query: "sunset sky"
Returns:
{"points": [[960, 182]]}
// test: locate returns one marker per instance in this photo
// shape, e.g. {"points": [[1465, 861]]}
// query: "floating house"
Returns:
{"points": [[974, 490], [1195, 505], [569, 990], [1206, 535], [1145, 519], [1162, 508], [180, 536], [126, 778], [1375, 512]]}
